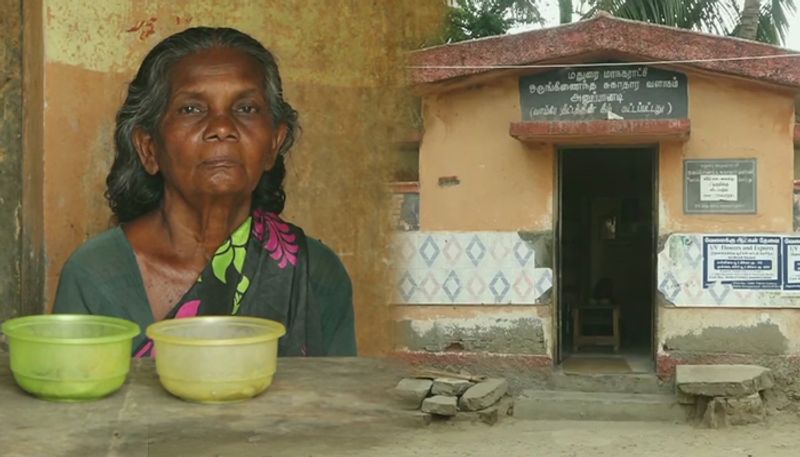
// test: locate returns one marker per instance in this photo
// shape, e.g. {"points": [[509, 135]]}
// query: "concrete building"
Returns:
{"points": [[603, 184]]}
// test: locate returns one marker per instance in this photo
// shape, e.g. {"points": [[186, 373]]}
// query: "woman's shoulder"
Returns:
{"points": [[100, 252], [325, 266]]}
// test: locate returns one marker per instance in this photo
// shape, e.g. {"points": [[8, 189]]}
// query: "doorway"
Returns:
{"points": [[606, 258]]}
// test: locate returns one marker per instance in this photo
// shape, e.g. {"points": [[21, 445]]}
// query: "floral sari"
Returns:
{"points": [[261, 270]]}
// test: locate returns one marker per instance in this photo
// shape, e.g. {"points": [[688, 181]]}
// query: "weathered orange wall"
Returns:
{"points": [[341, 62], [733, 119], [504, 184]]}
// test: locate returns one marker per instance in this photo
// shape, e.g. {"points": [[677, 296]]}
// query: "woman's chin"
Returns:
{"points": [[223, 189], [224, 182]]}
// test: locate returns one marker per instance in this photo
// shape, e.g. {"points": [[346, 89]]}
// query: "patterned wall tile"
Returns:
{"points": [[467, 268]]}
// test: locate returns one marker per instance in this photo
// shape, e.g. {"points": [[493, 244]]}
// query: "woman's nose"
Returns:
{"points": [[221, 127]]}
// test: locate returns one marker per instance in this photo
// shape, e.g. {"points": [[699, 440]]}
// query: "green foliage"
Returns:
{"points": [[708, 15], [715, 16], [470, 19], [772, 22]]}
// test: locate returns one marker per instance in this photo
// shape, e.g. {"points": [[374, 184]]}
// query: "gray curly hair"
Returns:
{"points": [[130, 190]]}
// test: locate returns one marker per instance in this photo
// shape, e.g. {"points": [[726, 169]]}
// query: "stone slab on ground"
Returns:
{"points": [[721, 411], [610, 406], [440, 405], [722, 380], [491, 415], [483, 395], [450, 387], [714, 415], [746, 410], [685, 399], [504, 407], [776, 399], [410, 392]]}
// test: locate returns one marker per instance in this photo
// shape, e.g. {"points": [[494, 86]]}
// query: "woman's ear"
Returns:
{"points": [[146, 149], [277, 141]]}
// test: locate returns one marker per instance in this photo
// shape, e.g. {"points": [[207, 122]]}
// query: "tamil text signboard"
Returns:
{"points": [[603, 92]]}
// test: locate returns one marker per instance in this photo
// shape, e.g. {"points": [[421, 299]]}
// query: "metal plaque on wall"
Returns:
{"points": [[603, 92], [719, 186]]}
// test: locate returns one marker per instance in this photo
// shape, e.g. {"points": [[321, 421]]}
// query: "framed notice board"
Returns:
{"points": [[719, 186]]}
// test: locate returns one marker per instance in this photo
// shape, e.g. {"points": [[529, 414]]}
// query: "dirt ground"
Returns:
{"points": [[780, 436]]}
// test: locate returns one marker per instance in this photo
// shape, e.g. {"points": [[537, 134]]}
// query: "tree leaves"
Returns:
{"points": [[471, 19], [721, 17]]}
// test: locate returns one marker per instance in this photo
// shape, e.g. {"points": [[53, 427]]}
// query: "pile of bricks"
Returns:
{"points": [[446, 396]]}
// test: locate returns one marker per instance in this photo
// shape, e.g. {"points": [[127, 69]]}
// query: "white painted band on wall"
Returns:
{"points": [[470, 268]]}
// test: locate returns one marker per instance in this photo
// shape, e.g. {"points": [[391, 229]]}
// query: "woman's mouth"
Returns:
{"points": [[219, 163]]}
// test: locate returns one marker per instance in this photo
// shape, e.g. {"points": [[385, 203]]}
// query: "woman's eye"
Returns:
{"points": [[190, 109], [247, 108]]}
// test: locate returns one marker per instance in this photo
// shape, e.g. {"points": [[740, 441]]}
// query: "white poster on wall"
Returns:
{"points": [[742, 270], [719, 188], [744, 262], [791, 254]]}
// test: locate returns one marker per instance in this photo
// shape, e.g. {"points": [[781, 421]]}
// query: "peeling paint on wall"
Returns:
{"points": [[497, 334], [113, 35], [10, 156], [762, 338]]}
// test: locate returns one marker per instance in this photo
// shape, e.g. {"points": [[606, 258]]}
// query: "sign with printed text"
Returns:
{"points": [[602, 93], [747, 270], [791, 255], [719, 186], [743, 262]]}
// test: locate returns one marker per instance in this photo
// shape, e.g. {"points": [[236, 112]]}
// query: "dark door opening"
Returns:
{"points": [[606, 253]]}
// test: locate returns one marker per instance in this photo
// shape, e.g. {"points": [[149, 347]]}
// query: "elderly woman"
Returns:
{"points": [[197, 186]]}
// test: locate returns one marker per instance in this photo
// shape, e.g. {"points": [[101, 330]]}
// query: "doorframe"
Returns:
{"points": [[654, 149]]}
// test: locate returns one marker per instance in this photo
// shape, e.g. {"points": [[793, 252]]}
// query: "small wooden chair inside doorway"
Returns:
{"points": [[599, 312], [593, 314]]}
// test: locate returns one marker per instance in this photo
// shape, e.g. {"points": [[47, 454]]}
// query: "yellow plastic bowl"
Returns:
{"points": [[216, 359], [69, 357]]}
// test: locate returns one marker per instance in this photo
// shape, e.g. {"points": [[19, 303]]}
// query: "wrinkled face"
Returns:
{"points": [[216, 136]]}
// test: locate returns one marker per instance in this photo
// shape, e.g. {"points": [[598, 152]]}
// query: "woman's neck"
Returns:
{"points": [[200, 228]]}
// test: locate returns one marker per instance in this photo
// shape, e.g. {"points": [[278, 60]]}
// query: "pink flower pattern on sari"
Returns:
{"points": [[280, 243], [188, 309]]}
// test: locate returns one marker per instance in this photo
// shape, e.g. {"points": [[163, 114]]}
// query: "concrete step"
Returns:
{"points": [[637, 383], [608, 406]]}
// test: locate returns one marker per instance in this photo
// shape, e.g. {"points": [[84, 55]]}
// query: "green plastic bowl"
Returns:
{"points": [[216, 359], [68, 357]]}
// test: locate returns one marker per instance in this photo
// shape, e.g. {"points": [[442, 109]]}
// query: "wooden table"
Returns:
{"points": [[315, 406]]}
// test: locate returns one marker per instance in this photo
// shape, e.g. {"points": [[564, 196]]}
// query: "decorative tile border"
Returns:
{"points": [[686, 277], [467, 268]]}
